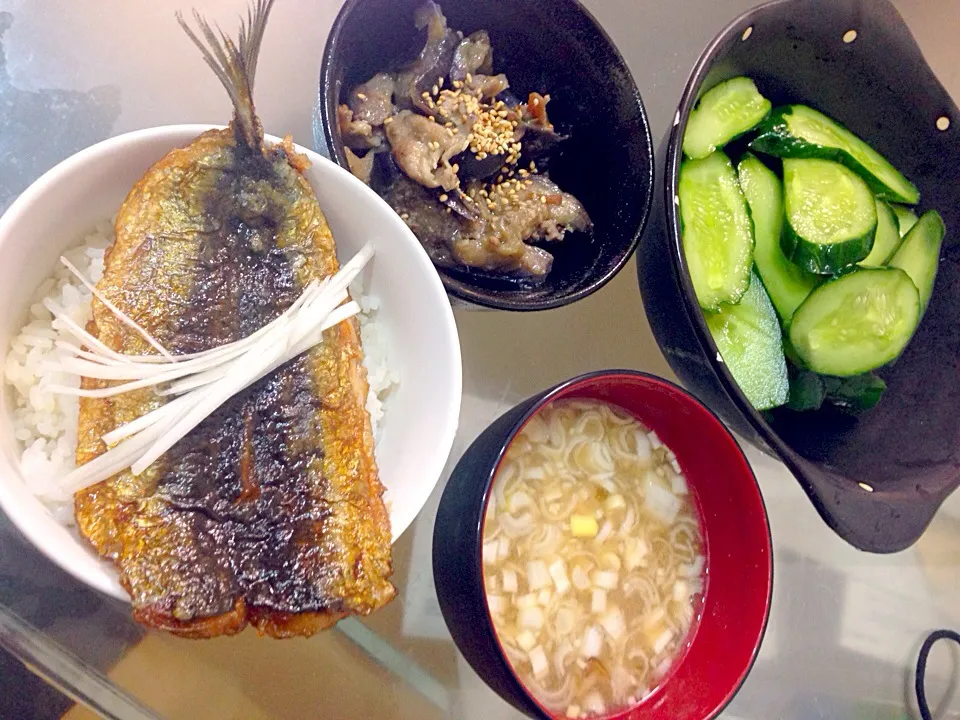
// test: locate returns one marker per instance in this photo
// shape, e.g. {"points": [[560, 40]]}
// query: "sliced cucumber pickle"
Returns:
{"points": [[919, 255], [887, 239], [906, 217], [831, 216], [797, 131], [723, 113], [857, 322], [787, 284], [717, 230], [750, 342]]}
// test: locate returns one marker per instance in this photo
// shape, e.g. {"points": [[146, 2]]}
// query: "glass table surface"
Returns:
{"points": [[845, 626]]}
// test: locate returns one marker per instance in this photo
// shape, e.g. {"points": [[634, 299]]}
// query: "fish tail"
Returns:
{"points": [[235, 64]]}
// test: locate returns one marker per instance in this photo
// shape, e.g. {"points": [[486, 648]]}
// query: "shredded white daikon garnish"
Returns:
{"points": [[202, 381]]}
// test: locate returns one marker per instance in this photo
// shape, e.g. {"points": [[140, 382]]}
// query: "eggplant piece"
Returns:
{"points": [[473, 55], [360, 165], [427, 217], [385, 173], [423, 149], [539, 137], [433, 62], [488, 86], [357, 134], [372, 101], [472, 168]]}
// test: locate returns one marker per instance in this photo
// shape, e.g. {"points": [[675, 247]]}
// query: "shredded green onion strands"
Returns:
{"points": [[201, 382]]}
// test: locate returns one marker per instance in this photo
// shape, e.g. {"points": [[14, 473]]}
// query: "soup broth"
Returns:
{"points": [[592, 558]]}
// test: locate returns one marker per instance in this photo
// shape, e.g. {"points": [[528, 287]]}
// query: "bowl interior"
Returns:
{"points": [[739, 571], [880, 87], [416, 433], [549, 47]]}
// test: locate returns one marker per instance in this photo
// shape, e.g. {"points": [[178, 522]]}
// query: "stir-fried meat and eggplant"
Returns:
{"points": [[444, 141]]}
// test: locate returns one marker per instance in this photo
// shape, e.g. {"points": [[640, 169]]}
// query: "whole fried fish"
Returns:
{"points": [[270, 512]]}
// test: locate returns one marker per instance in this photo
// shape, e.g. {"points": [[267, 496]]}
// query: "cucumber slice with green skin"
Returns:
{"points": [[856, 323], [750, 342], [787, 284], [906, 217], [808, 391], [887, 239], [723, 113], [919, 255], [831, 216], [797, 131], [717, 230]]}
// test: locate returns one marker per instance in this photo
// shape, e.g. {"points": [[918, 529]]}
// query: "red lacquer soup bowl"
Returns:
{"points": [[738, 577]]}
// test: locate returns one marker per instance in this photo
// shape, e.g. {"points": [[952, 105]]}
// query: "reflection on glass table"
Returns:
{"points": [[845, 627]]}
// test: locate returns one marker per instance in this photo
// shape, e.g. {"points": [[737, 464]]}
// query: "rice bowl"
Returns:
{"points": [[401, 289]]}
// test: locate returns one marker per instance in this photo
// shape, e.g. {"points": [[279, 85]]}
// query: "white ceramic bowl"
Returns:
{"points": [[421, 415]]}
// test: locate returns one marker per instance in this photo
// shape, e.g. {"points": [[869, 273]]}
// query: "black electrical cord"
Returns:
{"points": [[921, 675]]}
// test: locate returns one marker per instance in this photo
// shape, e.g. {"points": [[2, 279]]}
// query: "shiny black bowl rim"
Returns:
{"points": [[462, 291]]}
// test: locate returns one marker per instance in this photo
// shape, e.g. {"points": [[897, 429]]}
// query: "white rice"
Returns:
{"points": [[45, 424]]}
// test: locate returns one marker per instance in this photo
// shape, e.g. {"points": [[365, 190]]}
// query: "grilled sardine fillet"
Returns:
{"points": [[270, 512]]}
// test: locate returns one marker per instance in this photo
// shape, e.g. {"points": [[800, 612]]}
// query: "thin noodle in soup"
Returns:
{"points": [[593, 558]]}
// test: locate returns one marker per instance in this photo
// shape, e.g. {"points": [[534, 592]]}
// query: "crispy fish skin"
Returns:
{"points": [[270, 512]]}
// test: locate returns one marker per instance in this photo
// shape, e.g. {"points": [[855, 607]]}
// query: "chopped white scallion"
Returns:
{"points": [[526, 601], [694, 569], [518, 501], [592, 642], [526, 640], [593, 703], [678, 483], [614, 623], [605, 579], [660, 644], [503, 548], [663, 667], [544, 597], [531, 618], [581, 581], [509, 580], [537, 575], [534, 473], [490, 553], [538, 662], [655, 441], [614, 502], [558, 571], [598, 601], [660, 501], [497, 603], [644, 451]]}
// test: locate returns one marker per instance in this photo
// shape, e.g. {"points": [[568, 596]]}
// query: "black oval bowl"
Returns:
{"points": [[879, 479], [548, 46]]}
